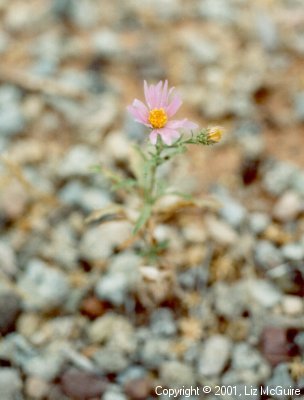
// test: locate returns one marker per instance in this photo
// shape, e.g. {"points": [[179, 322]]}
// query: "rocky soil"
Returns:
{"points": [[82, 315]]}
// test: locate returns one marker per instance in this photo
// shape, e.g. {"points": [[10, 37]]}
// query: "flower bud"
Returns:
{"points": [[215, 134]]}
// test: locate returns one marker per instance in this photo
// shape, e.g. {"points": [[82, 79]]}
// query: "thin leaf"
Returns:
{"points": [[143, 218], [112, 212], [125, 184]]}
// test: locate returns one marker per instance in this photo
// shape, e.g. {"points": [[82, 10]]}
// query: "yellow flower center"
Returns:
{"points": [[158, 118]]}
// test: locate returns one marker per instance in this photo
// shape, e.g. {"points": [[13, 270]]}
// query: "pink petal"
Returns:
{"points": [[168, 135], [164, 96], [159, 92], [147, 94], [153, 136], [174, 105], [153, 96], [190, 125], [142, 108], [181, 123], [138, 114]]}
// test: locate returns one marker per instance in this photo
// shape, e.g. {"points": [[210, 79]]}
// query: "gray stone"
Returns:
{"points": [[114, 393], [162, 322], [221, 232], [299, 340], [132, 373], [236, 293], [120, 279], [204, 51], [233, 212], [279, 177], [77, 161], [84, 13], [264, 293], [98, 243], [12, 121], [245, 356], [218, 10], [70, 109], [44, 288], [214, 356], [111, 360], [281, 377], [48, 47], [10, 308], [107, 44], [74, 193], [292, 305], [36, 388], [115, 331], [299, 106], [9, 95], [258, 222], [93, 199], [8, 262], [288, 207], [113, 288], [155, 351], [16, 348], [298, 182], [62, 247], [10, 384], [266, 255], [241, 105], [175, 374], [193, 278], [267, 31], [293, 251], [252, 144], [248, 367], [46, 365]]}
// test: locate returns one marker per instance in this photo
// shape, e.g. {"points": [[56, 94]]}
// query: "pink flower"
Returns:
{"points": [[156, 115]]}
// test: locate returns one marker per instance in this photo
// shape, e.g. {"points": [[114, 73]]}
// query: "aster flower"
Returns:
{"points": [[161, 106]]}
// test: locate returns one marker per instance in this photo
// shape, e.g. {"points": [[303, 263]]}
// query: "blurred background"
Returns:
{"points": [[80, 318]]}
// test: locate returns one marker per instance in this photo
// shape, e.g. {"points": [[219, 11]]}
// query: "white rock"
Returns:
{"points": [[77, 161], [221, 232], [176, 374], [293, 251], [288, 207], [264, 293], [10, 384], [7, 259], [292, 305], [121, 278], [214, 356], [98, 242], [113, 330], [44, 288], [106, 43]]}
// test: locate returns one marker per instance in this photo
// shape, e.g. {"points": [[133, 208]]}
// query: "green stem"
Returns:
{"points": [[155, 162]]}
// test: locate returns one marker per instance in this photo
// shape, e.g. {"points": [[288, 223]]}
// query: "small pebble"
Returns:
{"points": [[10, 308], [292, 305], [82, 385], [214, 356], [288, 207]]}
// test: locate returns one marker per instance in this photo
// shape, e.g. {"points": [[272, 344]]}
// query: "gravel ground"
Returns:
{"points": [[78, 317]]}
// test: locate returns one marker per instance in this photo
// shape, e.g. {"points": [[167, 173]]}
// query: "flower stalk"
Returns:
{"points": [[167, 138]]}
